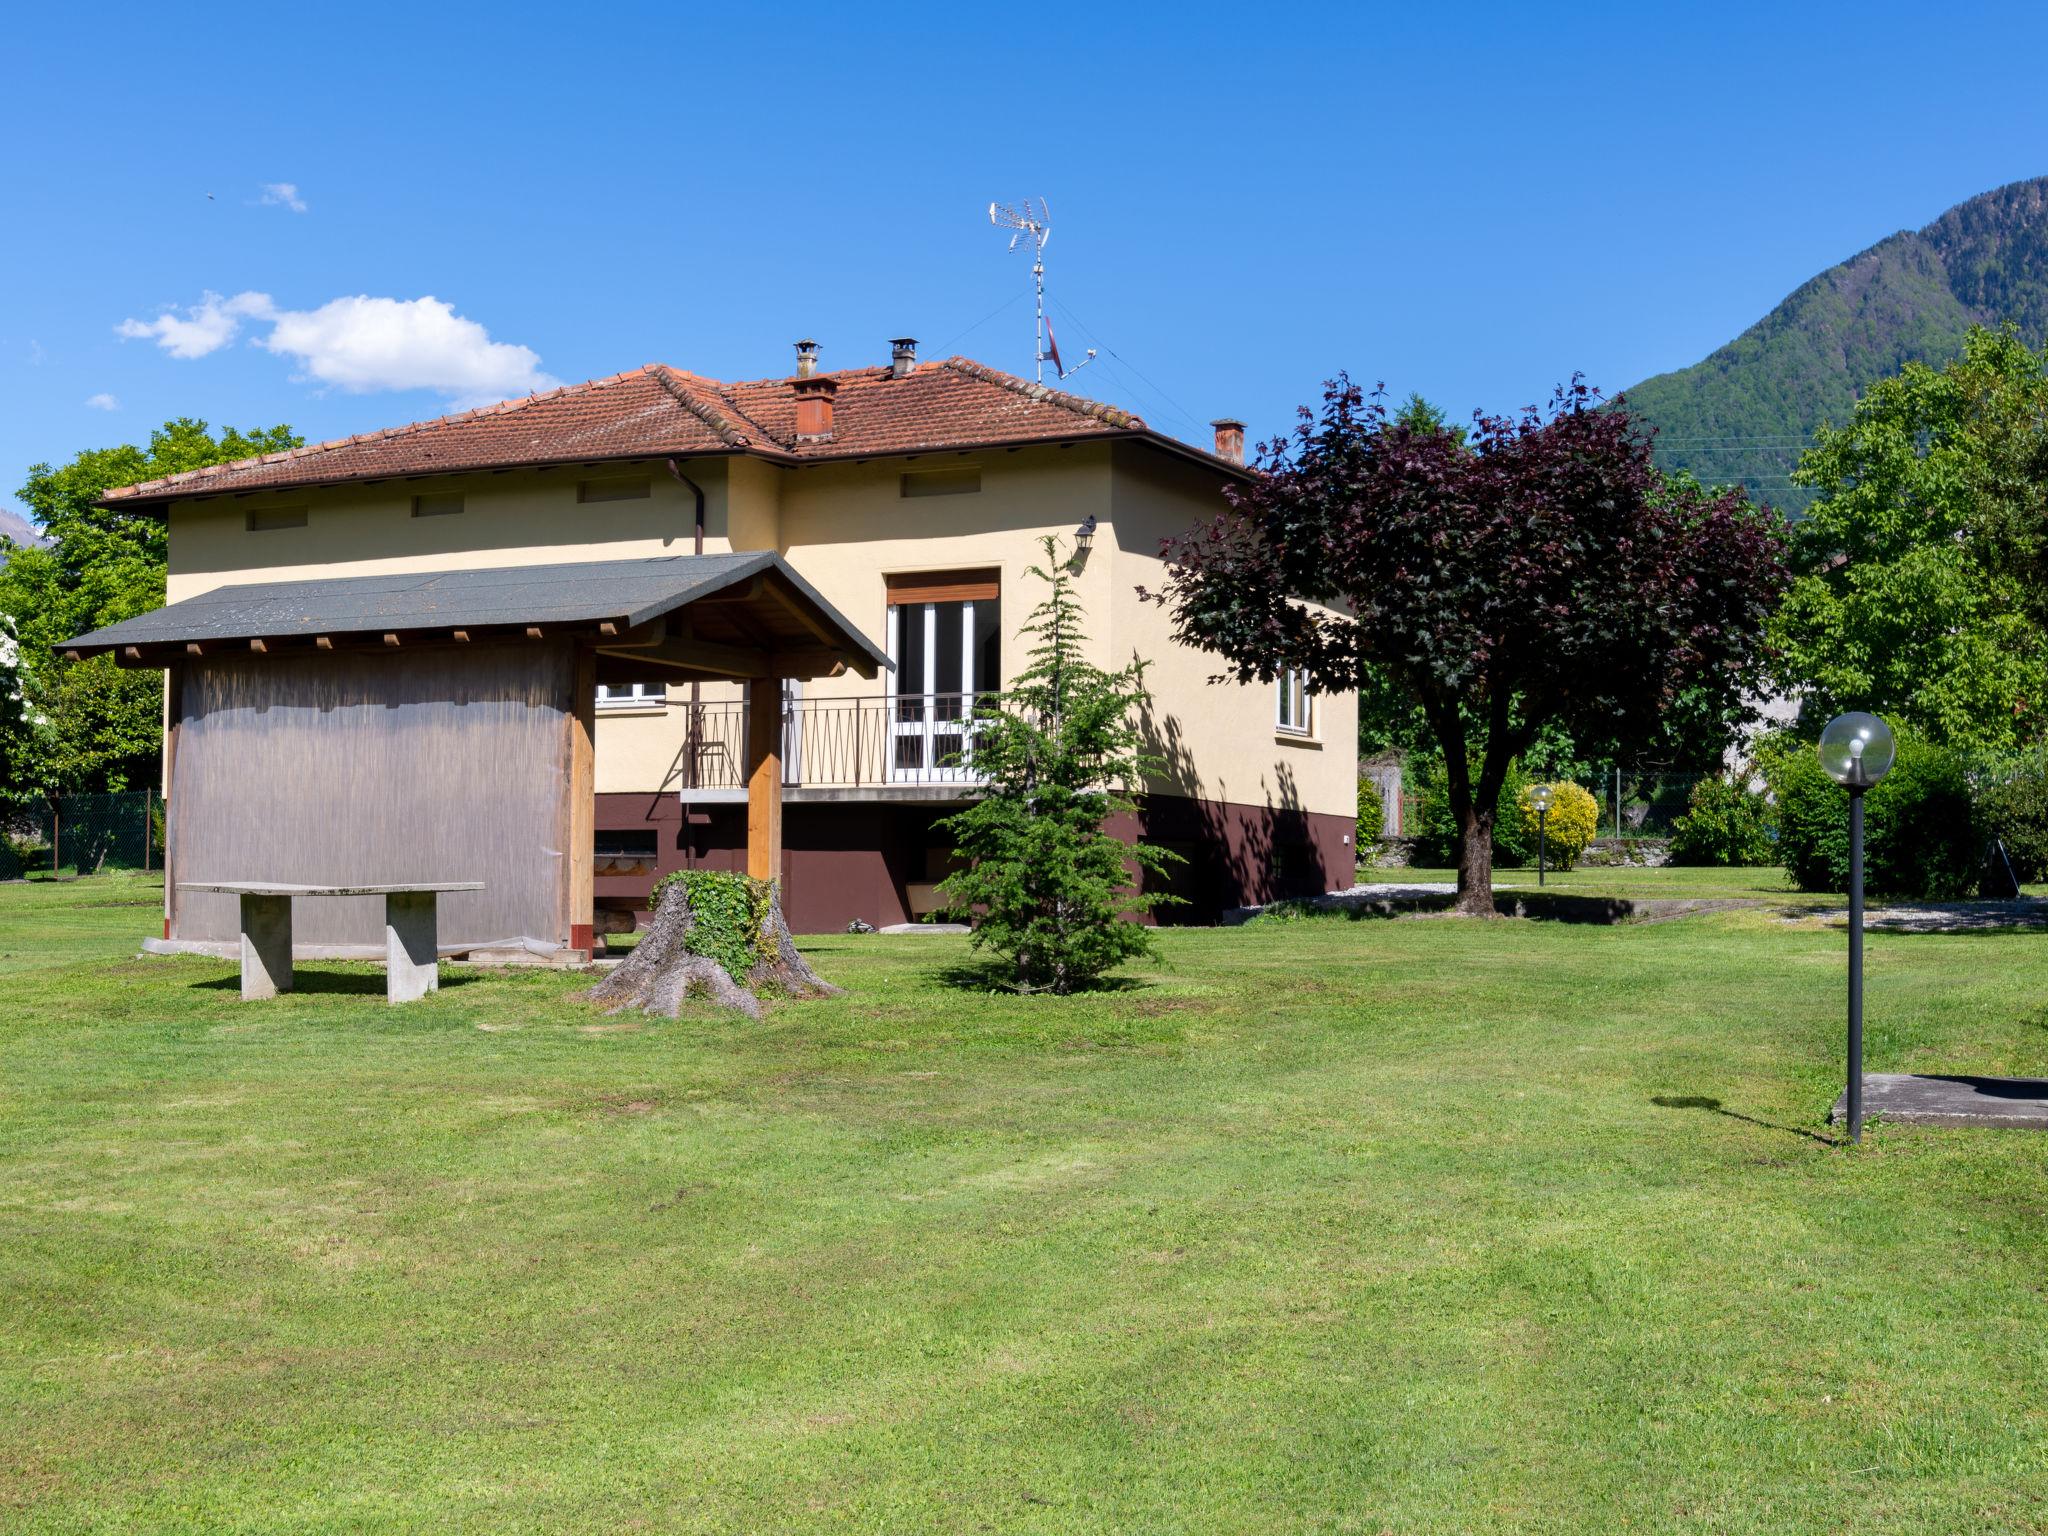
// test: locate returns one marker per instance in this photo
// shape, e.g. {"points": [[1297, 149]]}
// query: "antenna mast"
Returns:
{"points": [[1026, 221]]}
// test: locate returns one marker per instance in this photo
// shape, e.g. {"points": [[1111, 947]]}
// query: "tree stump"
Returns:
{"points": [[662, 970]]}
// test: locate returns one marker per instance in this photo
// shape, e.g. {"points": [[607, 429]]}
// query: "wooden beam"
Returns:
{"points": [[390, 639], [764, 778], [132, 652], [747, 594], [698, 656], [461, 636], [323, 642], [790, 604], [607, 627], [533, 631], [194, 648], [580, 816], [260, 647]]}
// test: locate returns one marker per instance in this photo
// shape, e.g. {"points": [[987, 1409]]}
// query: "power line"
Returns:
{"points": [[984, 320]]}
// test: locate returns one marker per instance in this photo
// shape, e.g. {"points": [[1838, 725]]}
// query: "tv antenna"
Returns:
{"points": [[1033, 222]]}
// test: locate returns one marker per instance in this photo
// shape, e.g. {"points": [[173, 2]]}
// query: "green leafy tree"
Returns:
{"points": [[100, 726], [1921, 595], [1046, 887]]}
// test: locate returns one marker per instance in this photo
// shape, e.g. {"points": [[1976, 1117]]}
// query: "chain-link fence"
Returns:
{"points": [[83, 834], [1638, 802]]}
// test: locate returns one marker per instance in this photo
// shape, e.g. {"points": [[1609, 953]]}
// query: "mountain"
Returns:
{"points": [[18, 528], [1745, 413]]}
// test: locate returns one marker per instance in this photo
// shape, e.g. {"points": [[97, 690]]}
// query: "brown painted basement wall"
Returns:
{"points": [[849, 860], [365, 767]]}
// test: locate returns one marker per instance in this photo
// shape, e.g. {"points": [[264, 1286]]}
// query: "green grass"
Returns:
{"points": [[1424, 1226]]}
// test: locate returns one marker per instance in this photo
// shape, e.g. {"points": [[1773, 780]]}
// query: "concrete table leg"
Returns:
{"points": [[266, 946], [412, 939]]}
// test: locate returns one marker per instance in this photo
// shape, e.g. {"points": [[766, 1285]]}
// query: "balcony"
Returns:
{"points": [[907, 747]]}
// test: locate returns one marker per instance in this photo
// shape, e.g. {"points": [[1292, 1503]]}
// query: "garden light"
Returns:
{"points": [[1539, 796], [1856, 751]]}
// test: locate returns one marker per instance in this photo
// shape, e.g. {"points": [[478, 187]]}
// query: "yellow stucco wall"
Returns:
{"points": [[844, 527]]}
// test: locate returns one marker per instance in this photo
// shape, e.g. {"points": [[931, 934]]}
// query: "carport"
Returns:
{"points": [[438, 726]]}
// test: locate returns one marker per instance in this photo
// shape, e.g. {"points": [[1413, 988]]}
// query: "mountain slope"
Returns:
{"points": [[1744, 414]]}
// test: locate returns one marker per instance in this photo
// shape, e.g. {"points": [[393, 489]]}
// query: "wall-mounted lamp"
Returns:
{"points": [[1084, 536]]}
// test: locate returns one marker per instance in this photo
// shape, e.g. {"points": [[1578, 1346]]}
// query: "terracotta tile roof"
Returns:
{"points": [[658, 411]]}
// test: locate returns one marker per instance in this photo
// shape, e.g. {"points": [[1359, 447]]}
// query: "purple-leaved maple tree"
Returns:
{"points": [[1540, 572]]}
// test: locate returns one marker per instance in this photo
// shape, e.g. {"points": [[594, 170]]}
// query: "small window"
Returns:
{"points": [[941, 482], [1294, 716], [615, 488], [445, 504], [632, 695], [268, 519]]}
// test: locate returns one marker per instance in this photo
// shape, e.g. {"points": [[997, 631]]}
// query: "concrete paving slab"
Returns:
{"points": [[1917, 1099]]}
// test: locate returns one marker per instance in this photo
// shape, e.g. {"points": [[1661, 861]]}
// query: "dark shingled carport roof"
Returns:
{"points": [[630, 592]]}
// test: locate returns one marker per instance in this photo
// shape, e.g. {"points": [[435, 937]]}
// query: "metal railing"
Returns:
{"points": [[906, 739]]}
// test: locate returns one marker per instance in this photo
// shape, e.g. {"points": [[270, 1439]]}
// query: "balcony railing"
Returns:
{"points": [[907, 740]]}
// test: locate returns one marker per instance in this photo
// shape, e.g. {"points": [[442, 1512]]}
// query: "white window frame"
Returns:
{"points": [[632, 698], [1301, 720]]}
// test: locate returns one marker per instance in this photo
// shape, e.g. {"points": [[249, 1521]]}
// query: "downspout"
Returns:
{"points": [[691, 739]]}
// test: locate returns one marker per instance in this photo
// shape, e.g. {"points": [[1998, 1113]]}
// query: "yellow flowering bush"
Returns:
{"points": [[1574, 819]]}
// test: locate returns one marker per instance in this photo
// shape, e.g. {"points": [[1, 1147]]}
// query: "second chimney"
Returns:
{"points": [[814, 409], [806, 358], [902, 356], [1229, 438]]}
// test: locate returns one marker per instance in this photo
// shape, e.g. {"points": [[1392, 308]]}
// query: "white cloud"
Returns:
{"points": [[360, 344], [206, 326], [363, 344], [103, 402], [283, 194]]}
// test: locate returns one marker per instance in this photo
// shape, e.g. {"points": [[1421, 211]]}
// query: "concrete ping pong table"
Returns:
{"points": [[411, 931]]}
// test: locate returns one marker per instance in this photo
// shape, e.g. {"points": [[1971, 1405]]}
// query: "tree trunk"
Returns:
{"points": [[662, 971], [780, 966], [1475, 865]]}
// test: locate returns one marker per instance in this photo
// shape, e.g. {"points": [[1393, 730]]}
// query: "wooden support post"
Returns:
{"points": [[764, 778], [581, 820], [174, 676]]}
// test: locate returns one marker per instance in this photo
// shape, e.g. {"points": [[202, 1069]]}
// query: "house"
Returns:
{"points": [[902, 505]]}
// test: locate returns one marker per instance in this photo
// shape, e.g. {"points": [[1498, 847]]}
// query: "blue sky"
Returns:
{"points": [[1470, 201]]}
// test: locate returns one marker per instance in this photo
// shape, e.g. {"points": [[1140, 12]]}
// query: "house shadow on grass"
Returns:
{"points": [[335, 983], [1715, 1106]]}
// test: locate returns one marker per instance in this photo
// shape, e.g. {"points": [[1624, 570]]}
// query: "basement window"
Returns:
{"points": [[941, 482], [443, 504], [624, 852], [269, 519], [615, 488]]}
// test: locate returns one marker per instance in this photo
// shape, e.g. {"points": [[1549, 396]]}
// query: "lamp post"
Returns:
{"points": [[1856, 751], [1539, 796]]}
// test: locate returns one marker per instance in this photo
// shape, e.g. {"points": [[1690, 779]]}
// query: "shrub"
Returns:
{"points": [[2014, 809], [726, 912], [1372, 814], [1921, 838], [1573, 821], [1726, 822]]}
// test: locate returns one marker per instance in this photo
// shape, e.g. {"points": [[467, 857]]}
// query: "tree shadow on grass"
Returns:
{"points": [[1715, 1106], [334, 983], [969, 977]]}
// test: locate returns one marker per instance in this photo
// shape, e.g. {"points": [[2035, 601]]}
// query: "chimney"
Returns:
{"points": [[814, 408], [902, 356], [806, 358], [1229, 438]]}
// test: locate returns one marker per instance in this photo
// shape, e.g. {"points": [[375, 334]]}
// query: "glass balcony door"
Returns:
{"points": [[946, 653]]}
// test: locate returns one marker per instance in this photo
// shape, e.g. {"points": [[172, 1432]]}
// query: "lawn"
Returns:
{"points": [[1416, 1226]]}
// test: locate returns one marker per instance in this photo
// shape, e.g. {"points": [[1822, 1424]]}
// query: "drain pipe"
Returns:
{"points": [[692, 737]]}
